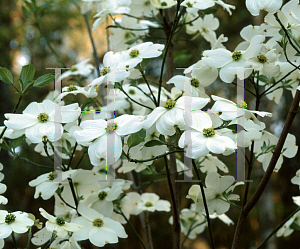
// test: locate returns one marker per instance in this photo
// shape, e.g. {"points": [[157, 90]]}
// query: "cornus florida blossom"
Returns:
{"points": [[231, 110], [38, 120], [170, 116], [205, 4], [136, 54], [204, 138], [82, 68], [112, 70], [163, 4], [58, 225], [230, 61], [17, 222], [47, 184], [97, 133], [271, 6], [217, 193], [150, 202], [98, 229]]}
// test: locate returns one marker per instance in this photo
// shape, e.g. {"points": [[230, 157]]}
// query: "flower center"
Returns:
{"points": [[236, 55], [73, 69], [104, 71], [170, 103], [10, 218], [209, 132], [102, 195], [72, 88], [98, 222], [262, 58], [43, 117], [189, 5], [60, 221], [148, 204], [195, 82], [164, 4], [131, 91], [134, 53], [147, 3], [242, 104], [111, 127], [52, 176]]}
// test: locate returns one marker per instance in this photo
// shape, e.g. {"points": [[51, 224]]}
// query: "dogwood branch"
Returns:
{"points": [[264, 181]]}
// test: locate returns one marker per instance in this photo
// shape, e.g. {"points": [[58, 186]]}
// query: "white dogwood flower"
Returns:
{"points": [[38, 120], [170, 116], [58, 225], [97, 133], [151, 202], [82, 68], [163, 4], [204, 138], [98, 229], [271, 6], [205, 4], [17, 222]]}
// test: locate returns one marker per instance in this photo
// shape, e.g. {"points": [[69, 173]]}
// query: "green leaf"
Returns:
{"points": [[235, 128], [281, 32], [144, 63], [44, 80], [69, 146], [142, 133], [263, 78], [153, 143], [5, 75], [162, 138], [26, 12], [209, 11], [133, 140], [295, 226], [26, 75], [4, 146], [59, 190], [18, 141]]}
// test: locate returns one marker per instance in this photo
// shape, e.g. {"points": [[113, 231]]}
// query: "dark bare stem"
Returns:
{"points": [[96, 58], [264, 181], [145, 79], [205, 205], [172, 176], [278, 227], [153, 158], [73, 192], [14, 239]]}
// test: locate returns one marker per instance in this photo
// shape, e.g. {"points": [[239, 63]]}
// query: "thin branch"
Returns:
{"points": [[264, 181], [205, 205]]}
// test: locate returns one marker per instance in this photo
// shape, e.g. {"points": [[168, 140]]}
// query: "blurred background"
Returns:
{"points": [[21, 42]]}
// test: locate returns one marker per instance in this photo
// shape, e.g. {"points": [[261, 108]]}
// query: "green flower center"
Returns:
{"points": [[209, 132], [10, 218], [134, 53], [127, 35], [147, 3], [102, 195], [105, 71], [148, 204], [73, 69], [111, 127], [60, 221], [43, 117], [195, 82], [242, 104], [236, 55], [52, 176], [188, 4], [262, 58], [170, 103], [131, 91], [72, 88], [98, 222], [164, 4]]}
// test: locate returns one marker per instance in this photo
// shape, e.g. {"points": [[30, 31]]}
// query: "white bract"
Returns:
{"points": [[203, 138], [17, 222], [38, 120], [271, 6], [100, 134], [150, 202], [82, 68], [58, 225], [98, 229]]}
